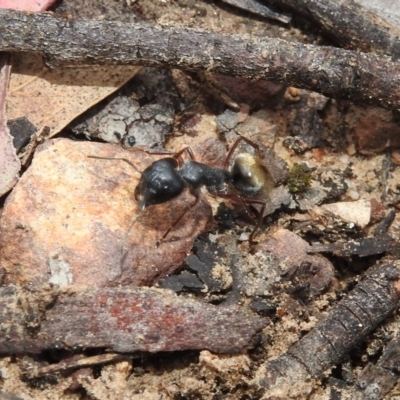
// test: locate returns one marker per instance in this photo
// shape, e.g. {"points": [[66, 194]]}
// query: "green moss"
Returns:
{"points": [[299, 178]]}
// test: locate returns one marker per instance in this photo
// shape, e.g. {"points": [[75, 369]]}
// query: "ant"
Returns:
{"points": [[245, 182]]}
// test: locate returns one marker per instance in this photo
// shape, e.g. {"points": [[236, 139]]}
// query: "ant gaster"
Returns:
{"points": [[243, 183], [246, 182]]}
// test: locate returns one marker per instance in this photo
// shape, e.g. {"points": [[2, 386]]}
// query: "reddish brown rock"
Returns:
{"points": [[73, 219], [375, 130], [291, 250], [378, 210]]}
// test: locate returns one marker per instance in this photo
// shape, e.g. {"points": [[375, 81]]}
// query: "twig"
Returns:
{"points": [[329, 343], [338, 73], [258, 8], [73, 363], [349, 24]]}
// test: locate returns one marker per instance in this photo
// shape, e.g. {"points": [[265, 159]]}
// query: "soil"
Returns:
{"points": [[350, 154]]}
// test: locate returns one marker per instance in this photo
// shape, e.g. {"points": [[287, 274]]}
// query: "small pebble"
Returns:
{"points": [[351, 149], [344, 159], [294, 92], [352, 191], [396, 157], [244, 236]]}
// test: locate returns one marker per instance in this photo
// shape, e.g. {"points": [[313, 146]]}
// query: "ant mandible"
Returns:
{"points": [[165, 179]]}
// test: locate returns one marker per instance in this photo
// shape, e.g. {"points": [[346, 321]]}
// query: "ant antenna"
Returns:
{"points": [[124, 254], [117, 158]]}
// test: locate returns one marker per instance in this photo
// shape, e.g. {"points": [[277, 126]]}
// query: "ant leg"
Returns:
{"points": [[259, 222], [176, 155], [197, 195], [246, 201], [234, 147], [188, 150]]}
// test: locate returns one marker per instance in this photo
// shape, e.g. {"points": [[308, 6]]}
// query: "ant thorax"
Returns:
{"points": [[249, 175], [197, 174]]}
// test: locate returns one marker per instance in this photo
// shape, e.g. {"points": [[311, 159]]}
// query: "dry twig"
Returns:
{"points": [[338, 73]]}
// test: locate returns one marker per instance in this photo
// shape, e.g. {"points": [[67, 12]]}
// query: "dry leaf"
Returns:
{"points": [[55, 97]]}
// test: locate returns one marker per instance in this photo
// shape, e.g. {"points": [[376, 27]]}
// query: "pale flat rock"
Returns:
{"points": [[357, 212], [74, 220]]}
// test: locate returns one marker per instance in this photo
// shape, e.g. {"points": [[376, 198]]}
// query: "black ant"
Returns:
{"points": [[245, 182]]}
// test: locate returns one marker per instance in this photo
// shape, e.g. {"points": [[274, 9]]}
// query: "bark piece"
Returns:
{"points": [[362, 247], [308, 126], [122, 319], [329, 343], [141, 113], [21, 129], [376, 380], [73, 219], [334, 72], [9, 162]]}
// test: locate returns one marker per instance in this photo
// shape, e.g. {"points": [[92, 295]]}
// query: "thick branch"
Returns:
{"points": [[334, 72], [349, 24]]}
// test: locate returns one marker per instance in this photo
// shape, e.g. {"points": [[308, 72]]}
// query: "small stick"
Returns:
{"points": [[257, 8], [72, 364]]}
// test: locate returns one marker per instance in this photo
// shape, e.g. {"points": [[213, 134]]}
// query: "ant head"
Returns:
{"points": [[159, 183]]}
